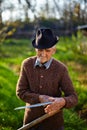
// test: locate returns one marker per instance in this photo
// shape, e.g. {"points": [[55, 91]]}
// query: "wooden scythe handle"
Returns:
{"points": [[38, 120]]}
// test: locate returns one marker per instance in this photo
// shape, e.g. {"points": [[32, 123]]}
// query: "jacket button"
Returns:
{"points": [[40, 86], [41, 76]]}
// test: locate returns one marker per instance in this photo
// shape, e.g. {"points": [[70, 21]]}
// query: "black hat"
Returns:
{"points": [[44, 39]]}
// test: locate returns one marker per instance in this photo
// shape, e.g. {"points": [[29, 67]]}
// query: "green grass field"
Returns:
{"points": [[12, 52]]}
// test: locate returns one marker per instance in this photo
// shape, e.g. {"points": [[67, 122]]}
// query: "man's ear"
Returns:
{"points": [[36, 50], [54, 50]]}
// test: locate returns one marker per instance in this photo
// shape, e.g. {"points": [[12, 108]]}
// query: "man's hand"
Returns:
{"points": [[57, 104], [45, 98]]}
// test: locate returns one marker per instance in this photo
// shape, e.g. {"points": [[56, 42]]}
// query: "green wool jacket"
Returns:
{"points": [[54, 81]]}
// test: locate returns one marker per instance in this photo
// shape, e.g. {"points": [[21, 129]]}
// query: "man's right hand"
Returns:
{"points": [[45, 98]]}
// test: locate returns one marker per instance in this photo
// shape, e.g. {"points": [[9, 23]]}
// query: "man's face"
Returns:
{"points": [[44, 55]]}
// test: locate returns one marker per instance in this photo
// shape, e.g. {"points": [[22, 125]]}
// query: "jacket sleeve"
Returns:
{"points": [[67, 87], [22, 89]]}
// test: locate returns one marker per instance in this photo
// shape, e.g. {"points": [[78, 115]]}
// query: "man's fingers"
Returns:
{"points": [[52, 107]]}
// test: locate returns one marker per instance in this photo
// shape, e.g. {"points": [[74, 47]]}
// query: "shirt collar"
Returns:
{"points": [[47, 64]]}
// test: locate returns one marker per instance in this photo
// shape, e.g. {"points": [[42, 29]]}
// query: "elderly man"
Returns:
{"points": [[43, 79]]}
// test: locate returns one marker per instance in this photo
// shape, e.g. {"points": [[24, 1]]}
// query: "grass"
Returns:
{"points": [[12, 52]]}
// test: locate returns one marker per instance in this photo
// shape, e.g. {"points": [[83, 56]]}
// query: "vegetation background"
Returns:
{"points": [[15, 45]]}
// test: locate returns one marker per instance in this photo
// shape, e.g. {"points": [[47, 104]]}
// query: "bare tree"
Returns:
{"points": [[58, 8], [28, 6], [85, 12], [1, 11]]}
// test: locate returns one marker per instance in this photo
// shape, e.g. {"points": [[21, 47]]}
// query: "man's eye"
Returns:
{"points": [[40, 50], [47, 50]]}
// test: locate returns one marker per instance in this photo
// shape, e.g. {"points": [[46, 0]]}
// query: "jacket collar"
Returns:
{"points": [[47, 64]]}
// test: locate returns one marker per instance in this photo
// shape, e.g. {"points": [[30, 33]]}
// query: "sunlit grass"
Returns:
{"points": [[8, 100], [72, 119]]}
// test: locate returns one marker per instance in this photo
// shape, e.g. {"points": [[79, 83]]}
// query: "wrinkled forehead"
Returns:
{"points": [[53, 47]]}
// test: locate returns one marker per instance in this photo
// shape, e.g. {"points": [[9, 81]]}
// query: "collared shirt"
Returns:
{"points": [[47, 64]]}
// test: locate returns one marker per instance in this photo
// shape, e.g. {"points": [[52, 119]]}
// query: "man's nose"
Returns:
{"points": [[43, 53]]}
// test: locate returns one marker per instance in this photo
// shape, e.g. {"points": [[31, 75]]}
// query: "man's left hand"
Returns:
{"points": [[57, 104]]}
